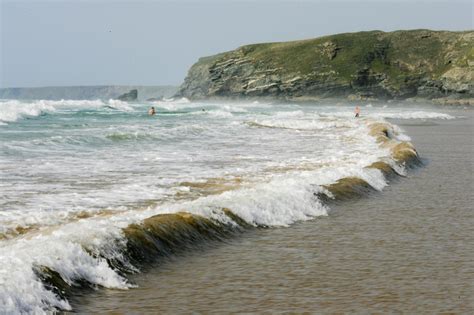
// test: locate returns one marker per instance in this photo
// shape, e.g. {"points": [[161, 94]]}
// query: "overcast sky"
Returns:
{"points": [[102, 42]]}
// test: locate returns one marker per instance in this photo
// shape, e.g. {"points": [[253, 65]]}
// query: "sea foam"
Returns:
{"points": [[12, 110]]}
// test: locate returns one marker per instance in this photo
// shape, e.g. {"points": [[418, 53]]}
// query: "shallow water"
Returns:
{"points": [[407, 249], [77, 176]]}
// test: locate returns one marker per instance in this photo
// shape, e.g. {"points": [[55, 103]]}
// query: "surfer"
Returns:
{"points": [[151, 111], [357, 111]]}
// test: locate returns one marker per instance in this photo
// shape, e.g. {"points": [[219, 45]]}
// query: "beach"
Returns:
{"points": [[205, 157]]}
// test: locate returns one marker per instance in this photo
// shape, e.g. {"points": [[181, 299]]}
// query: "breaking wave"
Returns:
{"points": [[99, 251], [97, 233], [298, 124], [13, 110], [386, 114]]}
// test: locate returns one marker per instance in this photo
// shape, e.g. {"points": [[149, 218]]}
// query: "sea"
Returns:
{"points": [[227, 207]]}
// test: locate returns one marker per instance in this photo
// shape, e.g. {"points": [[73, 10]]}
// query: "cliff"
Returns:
{"points": [[375, 64]]}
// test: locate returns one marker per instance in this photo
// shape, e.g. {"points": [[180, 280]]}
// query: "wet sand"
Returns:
{"points": [[408, 249]]}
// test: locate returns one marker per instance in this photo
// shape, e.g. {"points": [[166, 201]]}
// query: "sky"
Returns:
{"points": [[154, 42]]}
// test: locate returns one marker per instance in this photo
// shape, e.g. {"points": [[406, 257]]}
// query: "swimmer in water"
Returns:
{"points": [[357, 111], [151, 111]]}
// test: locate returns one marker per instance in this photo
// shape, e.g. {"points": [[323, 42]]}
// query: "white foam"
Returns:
{"points": [[399, 113], [120, 105], [13, 110], [413, 115], [172, 104], [285, 199], [299, 124], [220, 113], [61, 251], [295, 113]]}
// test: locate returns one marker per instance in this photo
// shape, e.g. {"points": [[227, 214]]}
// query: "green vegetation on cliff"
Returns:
{"points": [[399, 64]]}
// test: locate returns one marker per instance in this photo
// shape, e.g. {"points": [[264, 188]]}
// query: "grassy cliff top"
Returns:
{"points": [[431, 51]]}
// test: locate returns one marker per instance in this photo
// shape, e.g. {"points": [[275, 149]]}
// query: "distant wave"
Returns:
{"points": [[119, 105], [13, 110], [299, 124], [400, 114], [413, 115]]}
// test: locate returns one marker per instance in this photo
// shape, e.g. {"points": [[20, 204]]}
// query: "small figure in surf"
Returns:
{"points": [[151, 111], [357, 111]]}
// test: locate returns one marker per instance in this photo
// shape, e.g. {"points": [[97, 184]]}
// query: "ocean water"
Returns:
{"points": [[77, 175], [408, 249]]}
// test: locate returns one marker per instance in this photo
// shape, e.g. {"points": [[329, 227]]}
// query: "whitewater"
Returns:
{"points": [[75, 175]]}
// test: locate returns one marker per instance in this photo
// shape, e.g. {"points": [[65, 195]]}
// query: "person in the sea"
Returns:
{"points": [[151, 111], [357, 111]]}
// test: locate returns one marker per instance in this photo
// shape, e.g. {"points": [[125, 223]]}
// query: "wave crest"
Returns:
{"points": [[13, 110]]}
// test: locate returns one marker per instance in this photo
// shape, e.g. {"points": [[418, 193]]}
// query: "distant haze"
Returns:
{"points": [[65, 43]]}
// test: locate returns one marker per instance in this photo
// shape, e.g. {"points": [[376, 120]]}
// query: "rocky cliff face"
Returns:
{"points": [[401, 64]]}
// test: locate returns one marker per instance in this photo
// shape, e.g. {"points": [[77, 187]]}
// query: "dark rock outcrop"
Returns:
{"points": [[376, 64], [130, 96], [154, 99]]}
